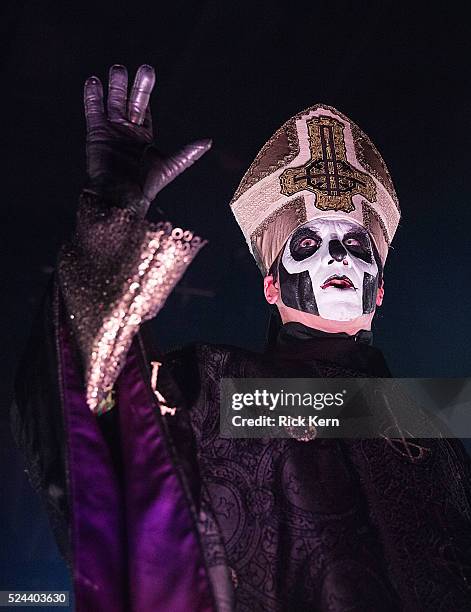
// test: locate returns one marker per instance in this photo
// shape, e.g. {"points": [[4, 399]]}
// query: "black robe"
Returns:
{"points": [[281, 524]]}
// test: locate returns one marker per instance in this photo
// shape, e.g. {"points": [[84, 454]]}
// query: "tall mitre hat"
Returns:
{"points": [[318, 164]]}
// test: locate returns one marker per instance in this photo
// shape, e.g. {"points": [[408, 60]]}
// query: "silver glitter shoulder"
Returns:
{"points": [[115, 273]]}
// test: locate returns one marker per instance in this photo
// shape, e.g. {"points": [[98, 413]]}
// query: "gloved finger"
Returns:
{"points": [[166, 170], [117, 92], [187, 156], [140, 94], [93, 101]]}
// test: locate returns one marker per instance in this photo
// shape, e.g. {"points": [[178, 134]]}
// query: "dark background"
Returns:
{"points": [[234, 71]]}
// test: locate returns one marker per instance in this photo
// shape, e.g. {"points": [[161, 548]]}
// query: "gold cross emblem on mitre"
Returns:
{"points": [[328, 173]]}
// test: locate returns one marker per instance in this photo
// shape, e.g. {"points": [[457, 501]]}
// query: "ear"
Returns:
{"points": [[380, 294], [270, 290]]}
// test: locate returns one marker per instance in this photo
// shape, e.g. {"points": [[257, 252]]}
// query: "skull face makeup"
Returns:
{"points": [[329, 268]]}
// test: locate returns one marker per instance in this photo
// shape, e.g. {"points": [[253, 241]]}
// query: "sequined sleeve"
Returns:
{"points": [[116, 272]]}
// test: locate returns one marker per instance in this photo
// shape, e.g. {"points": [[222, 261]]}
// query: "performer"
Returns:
{"points": [[152, 509]]}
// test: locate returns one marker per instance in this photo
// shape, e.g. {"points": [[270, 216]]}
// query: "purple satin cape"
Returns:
{"points": [[135, 545]]}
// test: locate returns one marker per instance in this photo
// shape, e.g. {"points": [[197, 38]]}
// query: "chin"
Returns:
{"points": [[340, 312]]}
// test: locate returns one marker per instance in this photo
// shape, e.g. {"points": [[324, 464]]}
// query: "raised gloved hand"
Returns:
{"points": [[124, 168]]}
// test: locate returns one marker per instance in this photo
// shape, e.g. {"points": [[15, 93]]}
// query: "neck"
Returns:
{"points": [[316, 322]]}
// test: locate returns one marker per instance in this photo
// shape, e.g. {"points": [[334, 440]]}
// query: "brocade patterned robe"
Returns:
{"points": [[159, 512]]}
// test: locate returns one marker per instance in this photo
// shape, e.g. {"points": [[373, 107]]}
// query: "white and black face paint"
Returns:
{"points": [[329, 268]]}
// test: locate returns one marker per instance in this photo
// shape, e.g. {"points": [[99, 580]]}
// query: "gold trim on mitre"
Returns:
{"points": [[318, 164]]}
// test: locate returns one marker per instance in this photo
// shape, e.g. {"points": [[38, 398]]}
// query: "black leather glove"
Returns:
{"points": [[124, 168]]}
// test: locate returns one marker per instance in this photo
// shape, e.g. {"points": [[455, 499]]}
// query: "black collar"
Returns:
{"points": [[297, 332], [296, 341]]}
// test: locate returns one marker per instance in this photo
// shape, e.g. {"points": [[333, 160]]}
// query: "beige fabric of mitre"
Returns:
{"points": [[318, 164]]}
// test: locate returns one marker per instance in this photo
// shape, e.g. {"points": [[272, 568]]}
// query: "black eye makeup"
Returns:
{"points": [[304, 243], [359, 245]]}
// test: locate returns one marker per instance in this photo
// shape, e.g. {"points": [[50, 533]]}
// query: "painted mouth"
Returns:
{"points": [[339, 282]]}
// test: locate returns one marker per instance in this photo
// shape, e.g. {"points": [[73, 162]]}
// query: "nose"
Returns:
{"points": [[337, 251]]}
